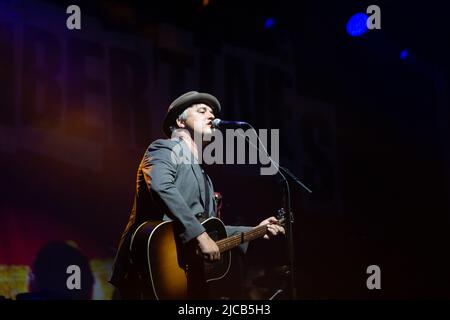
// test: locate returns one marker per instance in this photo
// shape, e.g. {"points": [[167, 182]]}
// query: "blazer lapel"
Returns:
{"points": [[200, 181], [195, 169], [211, 187]]}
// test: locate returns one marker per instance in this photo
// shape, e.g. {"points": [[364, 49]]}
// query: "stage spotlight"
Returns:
{"points": [[270, 22], [404, 54], [357, 24]]}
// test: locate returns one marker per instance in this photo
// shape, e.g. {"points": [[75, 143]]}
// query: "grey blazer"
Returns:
{"points": [[169, 186]]}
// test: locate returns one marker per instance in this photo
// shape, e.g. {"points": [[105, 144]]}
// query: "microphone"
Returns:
{"points": [[222, 124]]}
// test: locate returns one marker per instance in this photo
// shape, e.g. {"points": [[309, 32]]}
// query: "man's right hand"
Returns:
{"points": [[208, 247]]}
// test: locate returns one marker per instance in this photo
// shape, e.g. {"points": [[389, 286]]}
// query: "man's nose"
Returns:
{"points": [[210, 115]]}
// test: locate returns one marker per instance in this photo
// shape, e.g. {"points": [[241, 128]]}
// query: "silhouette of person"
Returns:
{"points": [[50, 272]]}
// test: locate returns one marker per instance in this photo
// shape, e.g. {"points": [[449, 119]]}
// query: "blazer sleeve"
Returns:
{"points": [[159, 168]]}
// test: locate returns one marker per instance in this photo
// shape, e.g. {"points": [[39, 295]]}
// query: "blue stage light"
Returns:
{"points": [[404, 54], [270, 22], [357, 24]]}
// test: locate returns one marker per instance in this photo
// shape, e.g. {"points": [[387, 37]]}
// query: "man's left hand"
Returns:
{"points": [[273, 228]]}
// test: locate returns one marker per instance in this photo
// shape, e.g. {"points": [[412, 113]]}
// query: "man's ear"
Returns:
{"points": [[180, 123]]}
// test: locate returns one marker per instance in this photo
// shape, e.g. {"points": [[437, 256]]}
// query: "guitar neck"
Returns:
{"points": [[233, 241]]}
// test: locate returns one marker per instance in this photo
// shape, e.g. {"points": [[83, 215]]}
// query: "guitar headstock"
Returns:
{"points": [[281, 215]]}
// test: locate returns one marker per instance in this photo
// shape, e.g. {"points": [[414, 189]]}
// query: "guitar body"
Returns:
{"points": [[162, 262], [218, 269]]}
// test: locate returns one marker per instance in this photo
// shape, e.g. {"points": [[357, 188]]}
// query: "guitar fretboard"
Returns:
{"points": [[233, 241]]}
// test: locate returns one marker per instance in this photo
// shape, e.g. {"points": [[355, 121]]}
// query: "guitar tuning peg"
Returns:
{"points": [[280, 213]]}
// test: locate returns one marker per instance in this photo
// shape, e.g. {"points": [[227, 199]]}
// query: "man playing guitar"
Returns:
{"points": [[184, 194]]}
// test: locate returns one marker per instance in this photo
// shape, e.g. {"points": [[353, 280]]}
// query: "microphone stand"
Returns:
{"points": [[290, 229], [290, 214]]}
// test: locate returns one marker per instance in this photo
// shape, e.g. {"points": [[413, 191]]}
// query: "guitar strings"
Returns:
{"points": [[236, 239]]}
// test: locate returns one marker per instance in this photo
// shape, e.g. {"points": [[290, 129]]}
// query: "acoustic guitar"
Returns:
{"points": [[162, 262]]}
